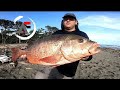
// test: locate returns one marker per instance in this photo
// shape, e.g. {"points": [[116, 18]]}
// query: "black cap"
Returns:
{"points": [[69, 15]]}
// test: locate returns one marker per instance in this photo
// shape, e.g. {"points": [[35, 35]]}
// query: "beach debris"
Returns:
{"points": [[4, 58]]}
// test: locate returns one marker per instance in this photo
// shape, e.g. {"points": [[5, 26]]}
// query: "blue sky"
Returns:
{"points": [[102, 27]]}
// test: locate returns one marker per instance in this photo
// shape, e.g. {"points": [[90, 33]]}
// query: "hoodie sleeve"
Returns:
{"points": [[86, 36], [83, 34]]}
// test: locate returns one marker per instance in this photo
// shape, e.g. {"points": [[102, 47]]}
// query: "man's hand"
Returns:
{"points": [[84, 58], [87, 58]]}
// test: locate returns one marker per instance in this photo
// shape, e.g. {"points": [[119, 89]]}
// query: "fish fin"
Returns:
{"points": [[51, 60], [16, 53]]}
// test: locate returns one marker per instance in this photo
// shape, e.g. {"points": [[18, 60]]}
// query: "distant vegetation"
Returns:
{"points": [[8, 28]]}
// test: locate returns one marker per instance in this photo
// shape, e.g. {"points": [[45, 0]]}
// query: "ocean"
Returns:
{"points": [[116, 47]]}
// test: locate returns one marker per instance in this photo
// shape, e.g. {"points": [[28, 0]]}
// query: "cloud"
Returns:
{"points": [[101, 21], [108, 39]]}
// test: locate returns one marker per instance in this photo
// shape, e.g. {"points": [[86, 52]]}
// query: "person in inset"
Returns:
{"points": [[69, 25]]}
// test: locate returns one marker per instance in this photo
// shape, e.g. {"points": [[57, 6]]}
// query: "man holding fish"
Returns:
{"points": [[63, 50], [69, 25]]}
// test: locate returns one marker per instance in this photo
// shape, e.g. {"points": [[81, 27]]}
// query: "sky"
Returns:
{"points": [[101, 26]]}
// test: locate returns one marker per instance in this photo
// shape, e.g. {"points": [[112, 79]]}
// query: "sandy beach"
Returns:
{"points": [[105, 65]]}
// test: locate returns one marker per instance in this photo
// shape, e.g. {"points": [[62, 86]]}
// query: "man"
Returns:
{"points": [[69, 25]]}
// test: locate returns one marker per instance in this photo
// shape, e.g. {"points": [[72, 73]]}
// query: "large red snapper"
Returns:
{"points": [[57, 50]]}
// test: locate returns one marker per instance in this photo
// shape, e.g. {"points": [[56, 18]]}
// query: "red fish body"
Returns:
{"points": [[57, 50]]}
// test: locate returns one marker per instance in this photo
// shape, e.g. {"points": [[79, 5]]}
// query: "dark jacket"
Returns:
{"points": [[70, 69]]}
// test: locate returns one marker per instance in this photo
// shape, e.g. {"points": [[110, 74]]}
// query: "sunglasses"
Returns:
{"points": [[69, 18]]}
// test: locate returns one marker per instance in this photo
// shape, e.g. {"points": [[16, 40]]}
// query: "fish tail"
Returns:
{"points": [[16, 53]]}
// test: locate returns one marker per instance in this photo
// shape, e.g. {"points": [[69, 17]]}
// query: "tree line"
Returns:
{"points": [[8, 28]]}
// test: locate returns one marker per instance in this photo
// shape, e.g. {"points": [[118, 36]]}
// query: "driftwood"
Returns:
{"points": [[9, 46]]}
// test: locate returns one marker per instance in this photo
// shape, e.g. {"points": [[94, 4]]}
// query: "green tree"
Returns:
{"points": [[6, 26]]}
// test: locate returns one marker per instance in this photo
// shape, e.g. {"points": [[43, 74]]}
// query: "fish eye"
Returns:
{"points": [[80, 40]]}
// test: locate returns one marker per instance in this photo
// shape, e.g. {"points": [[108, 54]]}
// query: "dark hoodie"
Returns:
{"points": [[70, 69]]}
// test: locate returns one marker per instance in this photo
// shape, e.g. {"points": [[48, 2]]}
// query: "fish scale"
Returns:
{"points": [[57, 50]]}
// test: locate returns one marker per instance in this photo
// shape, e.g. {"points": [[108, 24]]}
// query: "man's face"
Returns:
{"points": [[69, 22]]}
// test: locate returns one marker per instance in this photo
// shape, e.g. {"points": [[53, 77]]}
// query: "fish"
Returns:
{"points": [[56, 50]]}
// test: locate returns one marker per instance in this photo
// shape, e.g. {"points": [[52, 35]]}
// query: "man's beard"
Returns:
{"points": [[68, 28]]}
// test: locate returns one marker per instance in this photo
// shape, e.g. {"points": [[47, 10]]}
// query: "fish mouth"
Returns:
{"points": [[94, 49]]}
